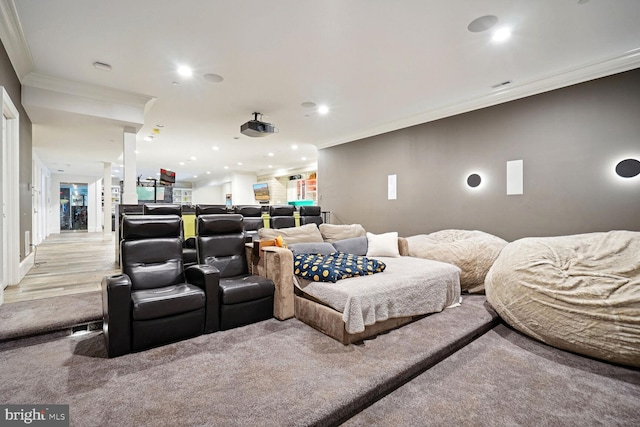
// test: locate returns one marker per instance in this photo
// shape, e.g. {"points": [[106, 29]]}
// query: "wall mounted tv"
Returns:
{"points": [[167, 177], [261, 192]]}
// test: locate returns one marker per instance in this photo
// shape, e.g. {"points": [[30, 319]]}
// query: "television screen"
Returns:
{"points": [[167, 177], [261, 192]]}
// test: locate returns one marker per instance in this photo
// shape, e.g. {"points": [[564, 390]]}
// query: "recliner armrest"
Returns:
{"points": [[276, 263], [207, 278], [116, 311]]}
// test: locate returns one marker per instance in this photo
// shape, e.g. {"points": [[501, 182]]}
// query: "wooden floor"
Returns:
{"points": [[66, 263]]}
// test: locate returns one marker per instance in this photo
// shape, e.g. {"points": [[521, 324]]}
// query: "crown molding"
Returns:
{"points": [[13, 39], [86, 90], [590, 71]]}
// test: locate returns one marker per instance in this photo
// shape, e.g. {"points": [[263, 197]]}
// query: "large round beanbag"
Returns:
{"points": [[472, 251], [579, 293]]}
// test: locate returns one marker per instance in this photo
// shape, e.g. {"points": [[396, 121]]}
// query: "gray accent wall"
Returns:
{"points": [[11, 83], [570, 140]]}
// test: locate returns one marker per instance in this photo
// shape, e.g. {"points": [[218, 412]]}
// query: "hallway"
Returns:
{"points": [[66, 264]]}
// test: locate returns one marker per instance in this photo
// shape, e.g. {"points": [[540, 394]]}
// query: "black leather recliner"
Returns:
{"points": [[189, 246], [211, 209], [244, 298], [310, 214], [151, 303], [251, 220], [282, 216]]}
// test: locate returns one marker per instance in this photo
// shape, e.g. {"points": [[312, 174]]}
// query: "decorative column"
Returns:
{"points": [[106, 208], [129, 195]]}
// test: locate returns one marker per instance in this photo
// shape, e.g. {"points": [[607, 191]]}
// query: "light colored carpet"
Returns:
{"points": [[507, 379], [270, 373], [26, 318]]}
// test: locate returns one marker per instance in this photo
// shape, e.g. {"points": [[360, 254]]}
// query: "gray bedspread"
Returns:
{"points": [[408, 287]]}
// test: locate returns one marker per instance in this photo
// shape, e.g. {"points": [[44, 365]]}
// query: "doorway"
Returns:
{"points": [[3, 245], [9, 178], [74, 198]]}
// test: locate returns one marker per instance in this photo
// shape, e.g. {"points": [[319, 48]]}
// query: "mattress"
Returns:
{"points": [[408, 287]]}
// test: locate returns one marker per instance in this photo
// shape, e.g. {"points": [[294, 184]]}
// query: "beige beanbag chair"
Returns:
{"points": [[579, 293], [472, 251]]}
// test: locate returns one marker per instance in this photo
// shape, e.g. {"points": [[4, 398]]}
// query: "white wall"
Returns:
{"points": [[207, 195], [242, 189], [94, 203], [214, 192]]}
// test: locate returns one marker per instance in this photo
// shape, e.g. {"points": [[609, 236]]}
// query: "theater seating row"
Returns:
{"points": [[173, 288], [156, 300], [277, 216]]}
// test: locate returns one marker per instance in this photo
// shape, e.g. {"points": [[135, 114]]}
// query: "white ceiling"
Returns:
{"points": [[378, 65]]}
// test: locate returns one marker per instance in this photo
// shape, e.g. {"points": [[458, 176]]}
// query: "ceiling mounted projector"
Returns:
{"points": [[256, 128]]}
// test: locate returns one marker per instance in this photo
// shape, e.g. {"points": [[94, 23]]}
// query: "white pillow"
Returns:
{"points": [[383, 244]]}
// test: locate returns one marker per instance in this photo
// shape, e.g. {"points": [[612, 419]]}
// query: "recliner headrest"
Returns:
{"points": [[282, 210], [209, 225], [162, 209], [310, 210], [249, 210], [151, 226], [210, 209]]}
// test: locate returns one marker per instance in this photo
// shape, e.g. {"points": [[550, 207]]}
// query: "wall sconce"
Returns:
{"points": [[474, 180], [628, 168]]}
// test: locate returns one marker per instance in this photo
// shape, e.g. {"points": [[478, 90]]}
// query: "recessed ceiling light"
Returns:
{"points": [[214, 148], [236, 137], [185, 71], [226, 167], [308, 105], [148, 138], [303, 158], [323, 109], [270, 166], [208, 172], [181, 163], [583, 1], [213, 78], [175, 83], [294, 147], [135, 151], [270, 154], [195, 176], [159, 126], [501, 35], [192, 158], [239, 163], [483, 23], [102, 66]]}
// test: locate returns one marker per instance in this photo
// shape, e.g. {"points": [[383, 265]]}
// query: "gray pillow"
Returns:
{"points": [[321, 248], [355, 245]]}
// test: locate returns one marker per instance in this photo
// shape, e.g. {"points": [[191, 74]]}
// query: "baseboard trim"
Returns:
{"points": [[25, 266]]}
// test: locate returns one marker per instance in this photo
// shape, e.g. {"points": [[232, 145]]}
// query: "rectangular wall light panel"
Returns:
{"points": [[392, 182], [514, 177]]}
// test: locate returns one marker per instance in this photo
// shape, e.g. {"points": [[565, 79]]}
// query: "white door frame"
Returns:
{"points": [[10, 184]]}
